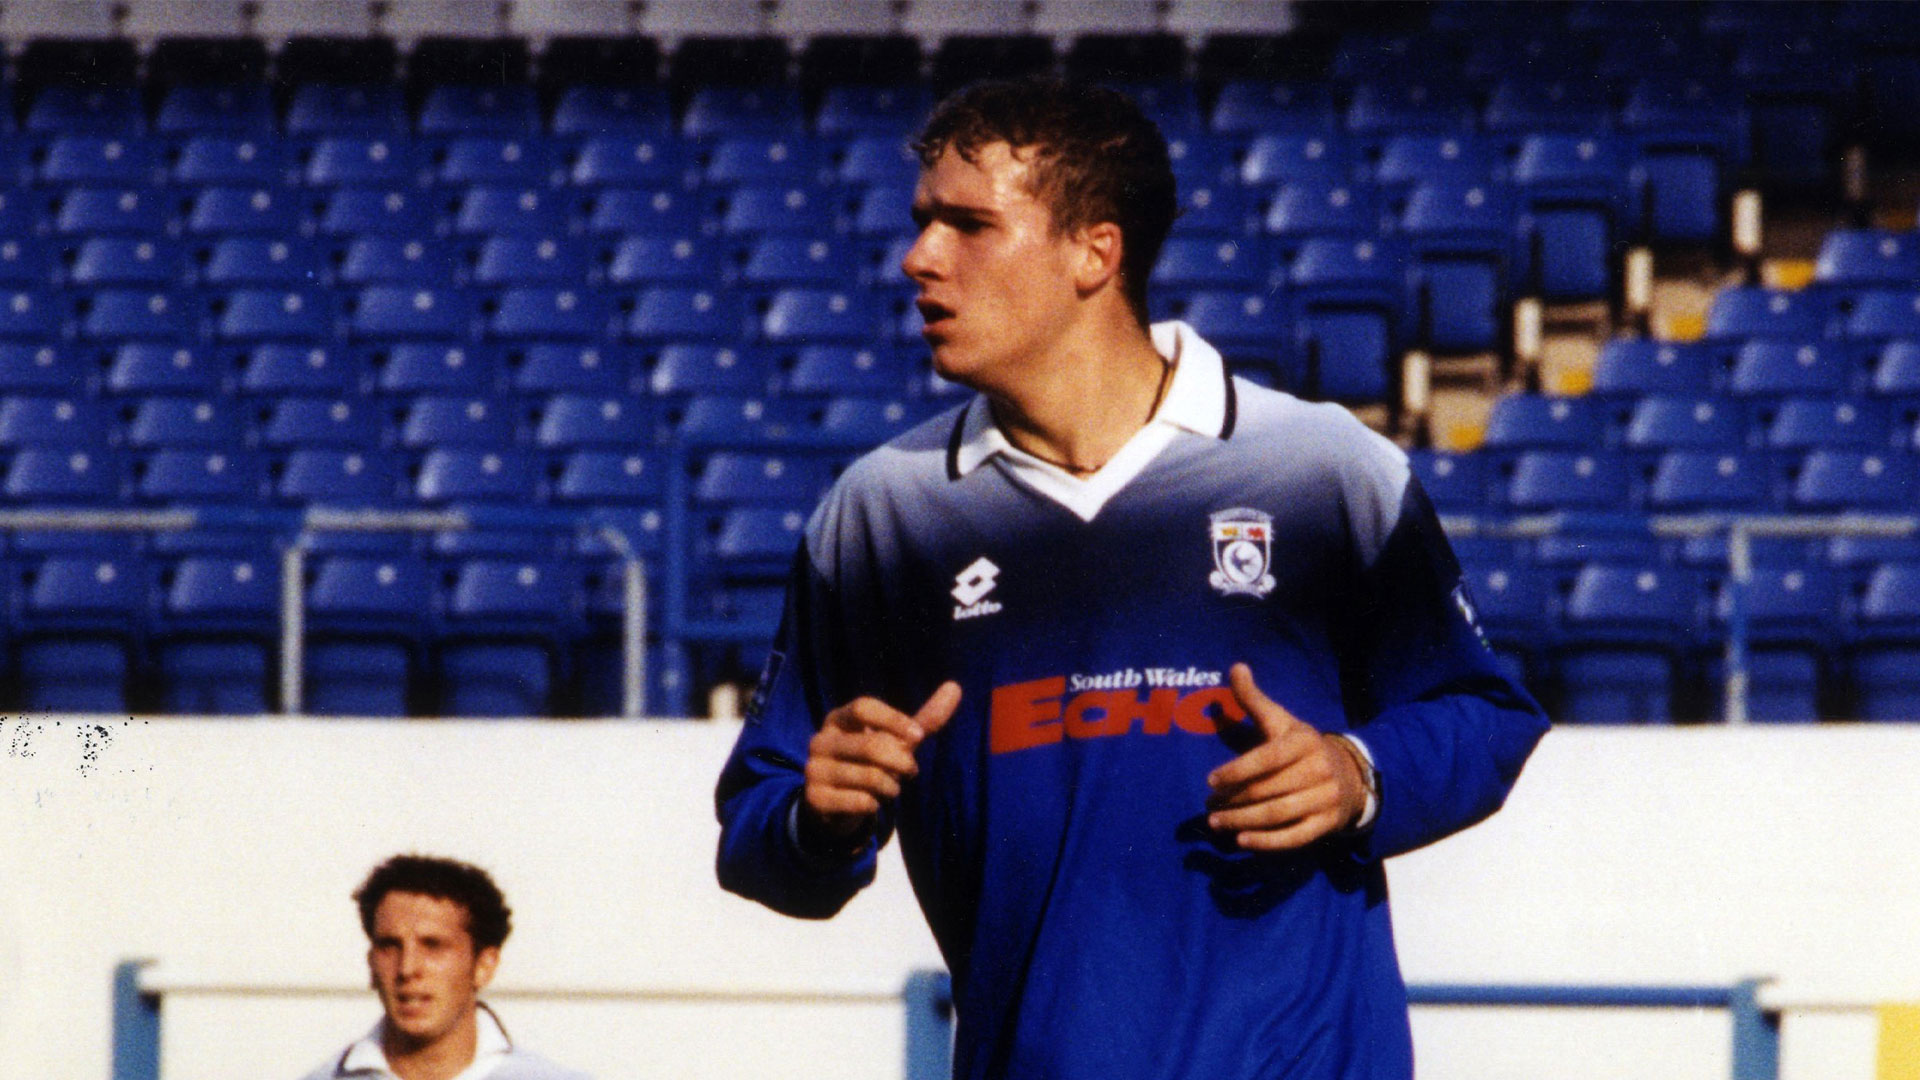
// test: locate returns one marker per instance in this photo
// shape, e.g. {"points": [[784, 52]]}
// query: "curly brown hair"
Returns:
{"points": [[1093, 155], [489, 920]]}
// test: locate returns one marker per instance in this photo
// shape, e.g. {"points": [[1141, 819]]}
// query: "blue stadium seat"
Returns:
{"points": [[423, 311], [43, 369], [25, 213], [103, 110], [684, 368], [1569, 480], [1221, 208], [822, 315], [417, 367], [25, 263], [1896, 371], [434, 420], [639, 160], [653, 211], [1774, 367], [1518, 606], [1454, 157], [379, 211], [126, 210], [326, 476], [1884, 661], [1663, 422], [231, 108], [1868, 258], [302, 314], [166, 421], [861, 421], [535, 210], [1878, 314], [399, 259], [1302, 210], [1792, 613], [757, 209], [1282, 158], [886, 110], [1454, 482], [1524, 103], [274, 369], [1804, 423], [1252, 330], [113, 159], [783, 158], [555, 367], [365, 160], [1459, 233], [197, 476], [127, 260], [323, 109], [366, 621], [740, 478], [504, 110], [321, 421], [1700, 480], [163, 368], [1615, 539], [1535, 421], [760, 534], [615, 477], [551, 313], [1833, 480], [260, 260], [688, 314], [37, 315], [621, 110], [796, 259], [849, 369], [500, 654], [719, 109], [580, 421], [244, 161], [1580, 169], [143, 315], [666, 259], [54, 421], [884, 160], [1632, 367], [477, 475], [77, 631], [500, 159], [1400, 105], [1247, 107], [1347, 315], [219, 627], [1629, 627], [1242, 264], [734, 420], [56, 474], [528, 259], [246, 212]]}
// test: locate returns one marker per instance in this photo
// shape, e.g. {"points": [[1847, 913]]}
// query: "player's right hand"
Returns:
{"points": [[861, 754]]}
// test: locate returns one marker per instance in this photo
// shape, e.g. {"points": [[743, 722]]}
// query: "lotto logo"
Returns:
{"points": [[1038, 713]]}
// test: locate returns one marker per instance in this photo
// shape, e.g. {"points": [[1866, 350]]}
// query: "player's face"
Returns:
{"points": [[996, 281], [425, 968]]}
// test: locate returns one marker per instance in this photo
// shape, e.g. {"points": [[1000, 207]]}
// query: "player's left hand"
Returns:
{"points": [[1295, 787]]}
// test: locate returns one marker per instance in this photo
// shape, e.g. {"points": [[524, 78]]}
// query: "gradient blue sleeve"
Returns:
{"points": [[763, 778], [1448, 731]]}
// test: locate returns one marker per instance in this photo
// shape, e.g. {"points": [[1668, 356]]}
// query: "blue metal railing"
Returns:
{"points": [[1756, 1030]]}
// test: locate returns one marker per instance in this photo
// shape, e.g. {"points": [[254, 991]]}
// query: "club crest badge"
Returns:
{"points": [[1242, 552]]}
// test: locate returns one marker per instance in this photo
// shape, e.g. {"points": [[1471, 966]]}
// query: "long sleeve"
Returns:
{"points": [[1447, 729], [763, 778]]}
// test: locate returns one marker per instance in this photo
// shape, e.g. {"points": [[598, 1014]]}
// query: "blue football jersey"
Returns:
{"points": [[1056, 835]]}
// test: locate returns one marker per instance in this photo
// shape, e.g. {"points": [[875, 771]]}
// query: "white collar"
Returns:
{"points": [[490, 1045], [1199, 399]]}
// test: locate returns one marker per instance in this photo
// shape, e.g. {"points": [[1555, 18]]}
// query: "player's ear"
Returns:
{"points": [[484, 964], [1100, 247]]}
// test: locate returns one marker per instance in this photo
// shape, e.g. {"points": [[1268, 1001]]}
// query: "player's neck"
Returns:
{"points": [[1078, 408], [440, 1059]]}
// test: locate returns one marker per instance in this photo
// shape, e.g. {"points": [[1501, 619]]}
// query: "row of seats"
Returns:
{"points": [[1677, 481], [1782, 418], [388, 635], [1620, 642]]}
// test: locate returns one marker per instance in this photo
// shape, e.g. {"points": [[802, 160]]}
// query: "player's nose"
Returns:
{"points": [[919, 263]]}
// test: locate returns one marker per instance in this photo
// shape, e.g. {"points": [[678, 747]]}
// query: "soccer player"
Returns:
{"points": [[1148, 667], [435, 927]]}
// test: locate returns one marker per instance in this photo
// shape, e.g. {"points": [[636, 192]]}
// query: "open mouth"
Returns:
{"points": [[933, 314]]}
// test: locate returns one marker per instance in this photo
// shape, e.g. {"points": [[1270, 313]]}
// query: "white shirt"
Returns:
{"points": [[365, 1058]]}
